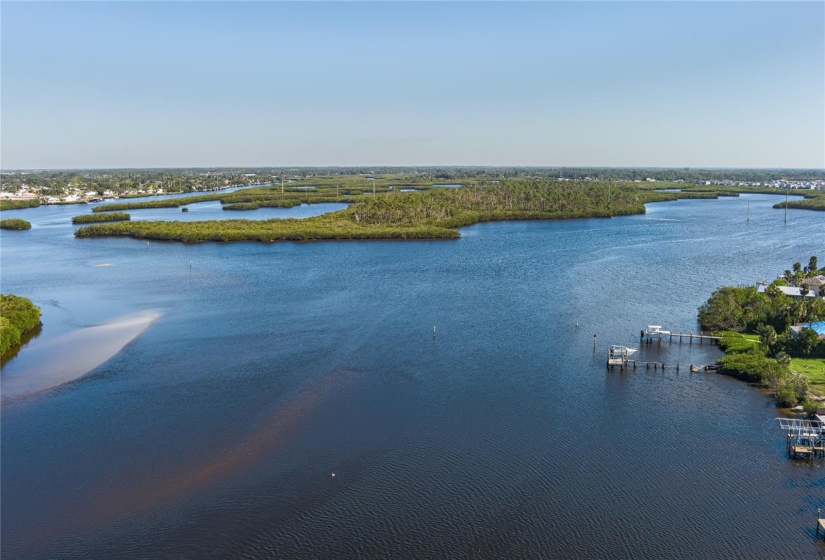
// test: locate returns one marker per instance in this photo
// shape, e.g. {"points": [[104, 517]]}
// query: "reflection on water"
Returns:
{"points": [[69, 356]]}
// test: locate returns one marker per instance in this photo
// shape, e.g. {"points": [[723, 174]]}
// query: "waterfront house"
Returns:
{"points": [[792, 291], [815, 284]]}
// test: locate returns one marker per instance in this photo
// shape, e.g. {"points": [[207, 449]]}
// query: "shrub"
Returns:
{"points": [[753, 367], [736, 343], [810, 407], [107, 217], [786, 396], [14, 223]]}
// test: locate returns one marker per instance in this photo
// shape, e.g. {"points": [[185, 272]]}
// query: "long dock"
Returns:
{"points": [[655, 332], [617, 356], [635, 364]]}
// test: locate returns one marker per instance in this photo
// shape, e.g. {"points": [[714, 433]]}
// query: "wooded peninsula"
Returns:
{"points": [[407, 207]]}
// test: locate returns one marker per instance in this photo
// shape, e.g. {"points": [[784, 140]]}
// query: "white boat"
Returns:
{"points": [[621, 351]]}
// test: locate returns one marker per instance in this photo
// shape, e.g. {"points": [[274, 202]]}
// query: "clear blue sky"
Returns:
{"points": [[115, 84]]}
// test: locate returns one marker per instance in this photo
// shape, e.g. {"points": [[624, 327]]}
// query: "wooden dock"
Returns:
{"points": [[648, 338], [636, 364], [624, 363]]}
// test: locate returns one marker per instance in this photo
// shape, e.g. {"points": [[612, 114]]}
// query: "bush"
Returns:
{"points": [[736, 343], [14, 223], [107, 217], [752, 367], [810, 408], [786, 396]]}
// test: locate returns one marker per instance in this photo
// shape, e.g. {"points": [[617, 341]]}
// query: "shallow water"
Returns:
{"points": [[215, 433], [64, 358]]}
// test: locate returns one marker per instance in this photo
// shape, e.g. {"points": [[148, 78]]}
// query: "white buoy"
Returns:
{"points": [[333, 475]]}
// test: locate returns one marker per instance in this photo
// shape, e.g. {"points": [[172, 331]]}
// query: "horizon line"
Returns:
{"points": [[426, 166]]}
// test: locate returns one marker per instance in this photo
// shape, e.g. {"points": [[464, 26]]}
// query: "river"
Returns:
{"points": [[403, 399]]}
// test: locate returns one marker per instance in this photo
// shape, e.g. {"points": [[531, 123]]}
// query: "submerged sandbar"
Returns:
{"points": [[74, 354]]}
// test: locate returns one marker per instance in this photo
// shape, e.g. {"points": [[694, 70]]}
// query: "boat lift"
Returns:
{"points": [[805, 438]]}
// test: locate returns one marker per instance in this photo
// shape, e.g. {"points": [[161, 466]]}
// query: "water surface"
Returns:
{"points": [[216, 432]]}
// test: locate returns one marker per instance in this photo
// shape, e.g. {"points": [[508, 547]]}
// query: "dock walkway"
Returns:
{"points": [[656, 332]]}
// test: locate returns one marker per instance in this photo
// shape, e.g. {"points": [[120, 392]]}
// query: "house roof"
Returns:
{"points": [[813, 281], [793, 291]]}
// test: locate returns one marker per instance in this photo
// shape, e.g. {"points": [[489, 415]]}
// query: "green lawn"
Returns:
{"points": [[814, 370]]}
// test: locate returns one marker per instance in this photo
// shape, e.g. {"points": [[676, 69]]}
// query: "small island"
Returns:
{"points": [[19, 317], [104, 217], [15, 224], [774, 334]]}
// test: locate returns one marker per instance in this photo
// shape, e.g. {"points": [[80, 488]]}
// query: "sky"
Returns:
{"points": [[180, 84]]}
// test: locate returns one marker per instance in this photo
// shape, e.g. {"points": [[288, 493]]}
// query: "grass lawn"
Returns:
{"points": [[814, 370]]}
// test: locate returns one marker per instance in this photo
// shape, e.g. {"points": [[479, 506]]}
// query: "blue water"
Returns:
{"points": [[216, 433], [56, 217]]}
